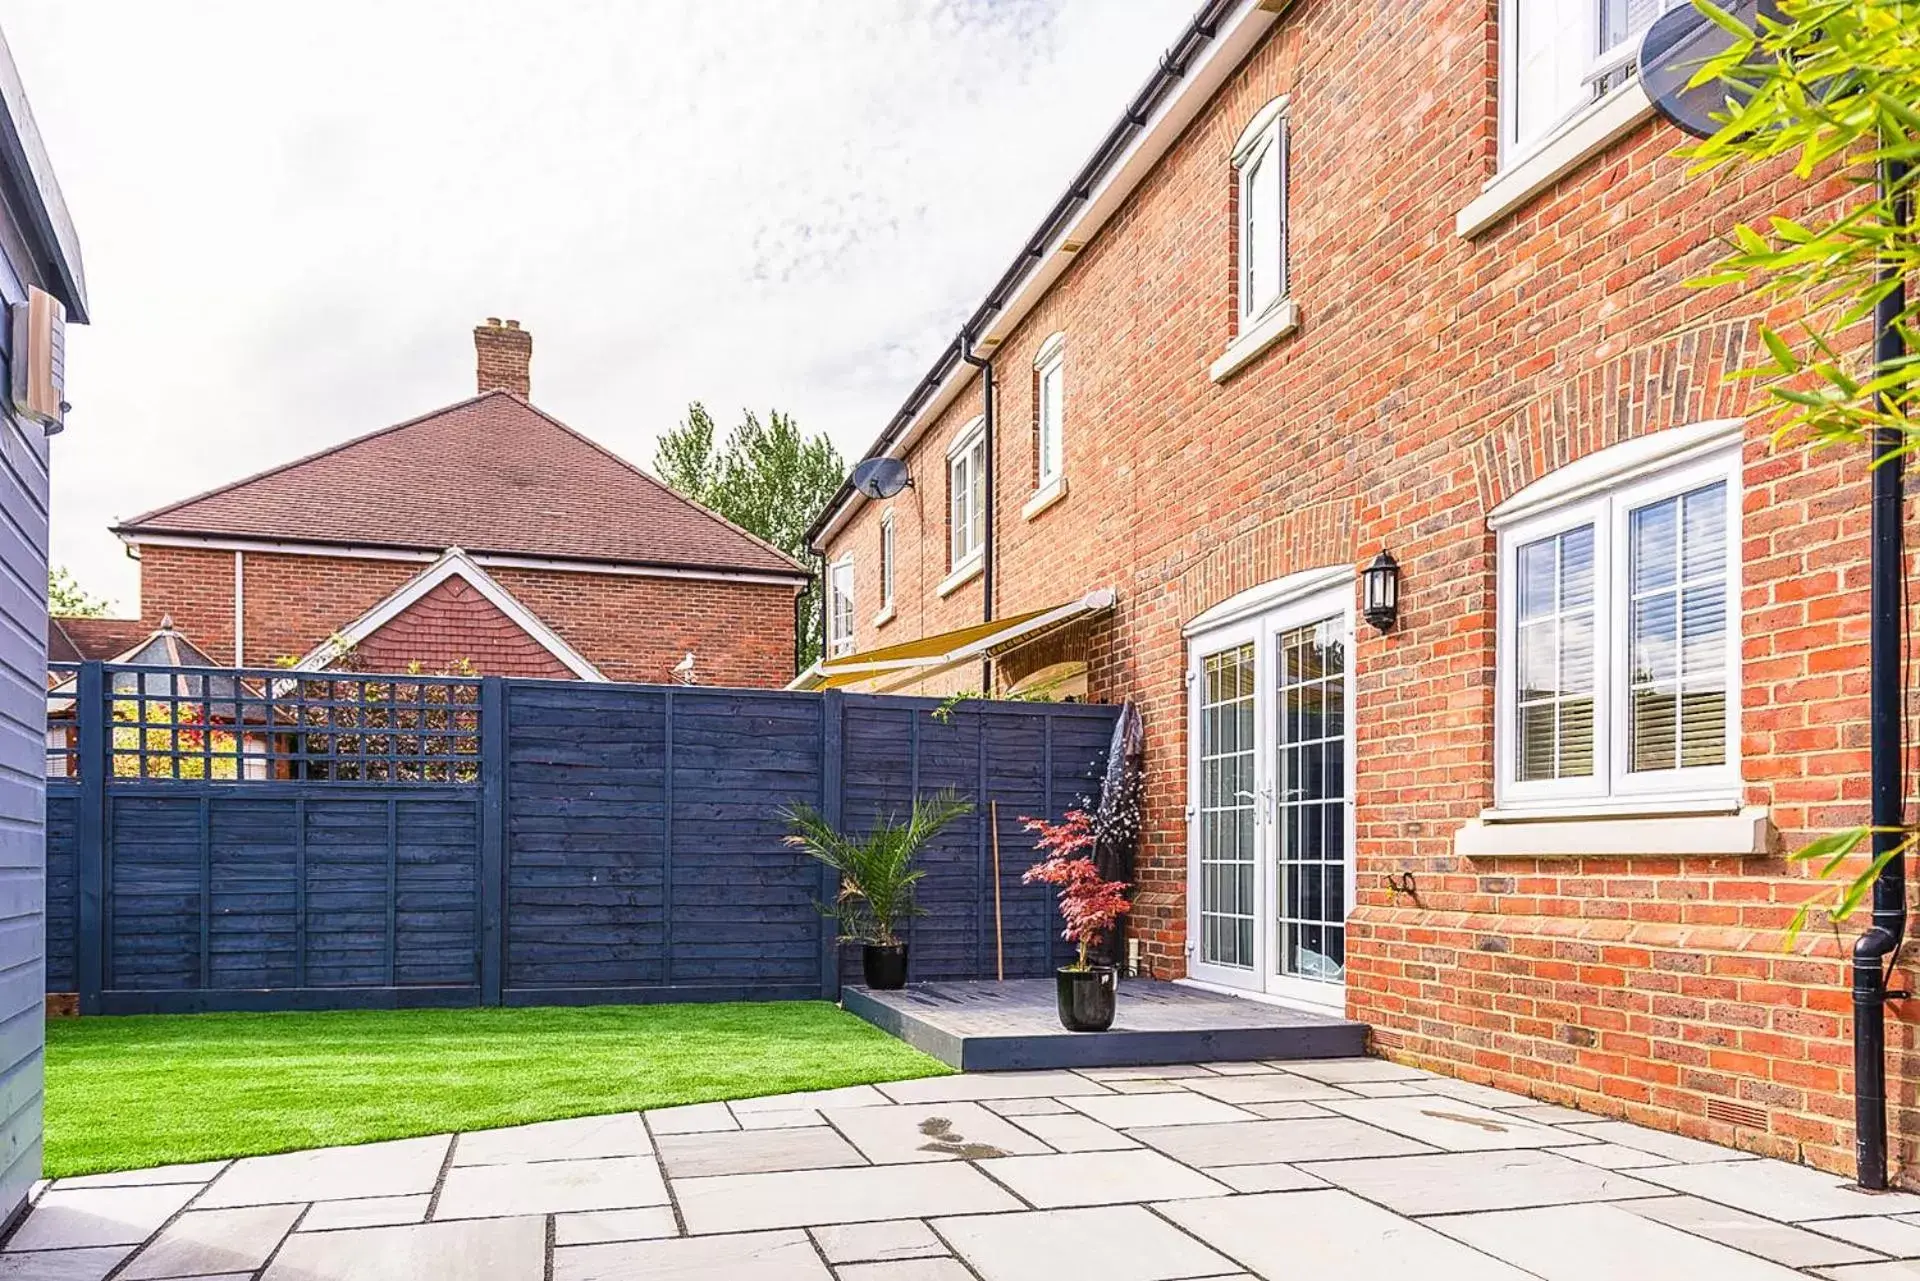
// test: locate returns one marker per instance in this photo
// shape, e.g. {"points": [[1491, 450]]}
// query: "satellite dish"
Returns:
{"points": [[881, 477], [1676, 46]]}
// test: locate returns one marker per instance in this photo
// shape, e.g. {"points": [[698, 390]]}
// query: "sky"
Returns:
{"points": [[292, 216]]}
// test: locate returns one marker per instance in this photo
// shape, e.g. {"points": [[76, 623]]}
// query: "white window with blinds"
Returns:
{"points": [[1619, 644], [1559, 57]]}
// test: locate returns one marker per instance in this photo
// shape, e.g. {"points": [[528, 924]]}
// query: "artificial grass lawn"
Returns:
{"points": [[142, 1090]]}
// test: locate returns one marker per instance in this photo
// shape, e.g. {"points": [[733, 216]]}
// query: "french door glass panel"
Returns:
{"points": [[1227, 808], [1310, 802]]}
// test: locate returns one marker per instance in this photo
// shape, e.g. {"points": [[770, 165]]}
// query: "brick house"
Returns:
{"points": [[487, 531], [1340, 284]]}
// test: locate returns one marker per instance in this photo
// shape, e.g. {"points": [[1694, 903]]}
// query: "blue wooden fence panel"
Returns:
{"points": [[618, 843]]}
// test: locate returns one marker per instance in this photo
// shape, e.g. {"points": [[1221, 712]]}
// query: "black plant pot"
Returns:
{"points": [[1086, 998], [884, 966]]}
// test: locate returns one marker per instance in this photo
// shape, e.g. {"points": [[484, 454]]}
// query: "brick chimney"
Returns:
{"points": [[505, 353]]}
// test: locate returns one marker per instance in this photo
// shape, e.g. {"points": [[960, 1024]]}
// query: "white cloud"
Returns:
{"points": [[293, 215]]}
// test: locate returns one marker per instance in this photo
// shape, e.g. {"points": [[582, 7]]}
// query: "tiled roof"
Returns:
{"points": [[70, 640], [490, 475], [453, 624]]}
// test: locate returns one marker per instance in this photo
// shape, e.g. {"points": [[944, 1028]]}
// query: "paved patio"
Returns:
{"points": [[1351, 1167]]}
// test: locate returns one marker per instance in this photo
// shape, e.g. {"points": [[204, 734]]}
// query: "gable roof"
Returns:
{"points": [[454, 564], [491, 474]]}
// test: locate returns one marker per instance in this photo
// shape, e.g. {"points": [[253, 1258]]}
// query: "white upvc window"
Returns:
{"points": [[886, 562], [967, 494], [1050, 408], [1619, 641], [1559, 57], [1260, 163], [840, 607]]}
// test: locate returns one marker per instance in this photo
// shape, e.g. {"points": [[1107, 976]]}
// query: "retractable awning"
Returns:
{"points": [[894, 665]]}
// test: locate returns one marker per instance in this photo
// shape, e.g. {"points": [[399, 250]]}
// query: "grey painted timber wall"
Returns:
{"points": [[621, 843], [37, 249]]}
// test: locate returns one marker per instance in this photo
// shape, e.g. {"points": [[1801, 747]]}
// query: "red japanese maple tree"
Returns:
{"points": [[1089, 903]]}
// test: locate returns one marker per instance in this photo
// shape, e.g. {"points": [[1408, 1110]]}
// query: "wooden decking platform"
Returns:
{"points": [[987, 1027]]}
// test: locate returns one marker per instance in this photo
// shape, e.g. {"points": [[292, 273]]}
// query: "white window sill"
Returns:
{"points": [[884, 617], [839, 649], [1728, 833], [1045, 497], [964, 573], [1578, 143], [1262, 334]]}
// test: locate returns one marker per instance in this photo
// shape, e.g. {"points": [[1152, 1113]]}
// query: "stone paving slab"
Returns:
{"points": [[1330, 1234], [206, 1242], [98, 1216], [758, 1256], [1460, 1182], [400, 1168], [946, 1269], [877, 1242], [587, 1136], [1099, 1178], [370, 1212], [63, 1265], [933, 1132], [1265, 1142], [1379, 1171], [1790, 1193], [753, 1202], [1783, 1244], [1117, 1243], [755, 1152], [481, 1250], [1601, 1242], [550, 1187], [593, 1227]]}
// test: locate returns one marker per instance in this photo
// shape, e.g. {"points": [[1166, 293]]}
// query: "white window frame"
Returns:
{"points": [[1619, 56], [839, 619], [1265, 135], [886, 561], [967, 540], [1605, 503], [1051, 428]]}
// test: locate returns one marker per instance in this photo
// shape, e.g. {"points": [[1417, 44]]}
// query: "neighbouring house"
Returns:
{"points": [[44, 287], [486, 532], [1340, 284]]}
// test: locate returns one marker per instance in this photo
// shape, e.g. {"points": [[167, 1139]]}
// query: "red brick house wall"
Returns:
{"points": [[631, 628], [1432, 377]]}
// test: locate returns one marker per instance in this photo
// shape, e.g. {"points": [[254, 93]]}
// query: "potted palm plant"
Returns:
{"points": [[877, 878], [1085, 993]]}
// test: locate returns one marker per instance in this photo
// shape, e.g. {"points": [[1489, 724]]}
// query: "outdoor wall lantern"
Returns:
{"points": [[1380, 591]]}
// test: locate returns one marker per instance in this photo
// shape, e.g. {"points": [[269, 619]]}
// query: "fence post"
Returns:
{"points": [[493, 837], [90, 835], [833, 755]]}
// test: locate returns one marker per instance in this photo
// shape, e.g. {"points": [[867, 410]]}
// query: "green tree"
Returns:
{"points": [[67, 599], [769, 477], [1833, 86]]}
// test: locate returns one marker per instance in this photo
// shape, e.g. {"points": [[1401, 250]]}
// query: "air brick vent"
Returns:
{"points": [[1742, 1114]]}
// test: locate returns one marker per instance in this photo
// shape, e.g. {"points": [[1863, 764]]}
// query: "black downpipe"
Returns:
{"points": [[985, 365], [1875, 952]]}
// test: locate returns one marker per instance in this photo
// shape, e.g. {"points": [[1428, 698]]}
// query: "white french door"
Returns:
{"points": [[1270, 813]]}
